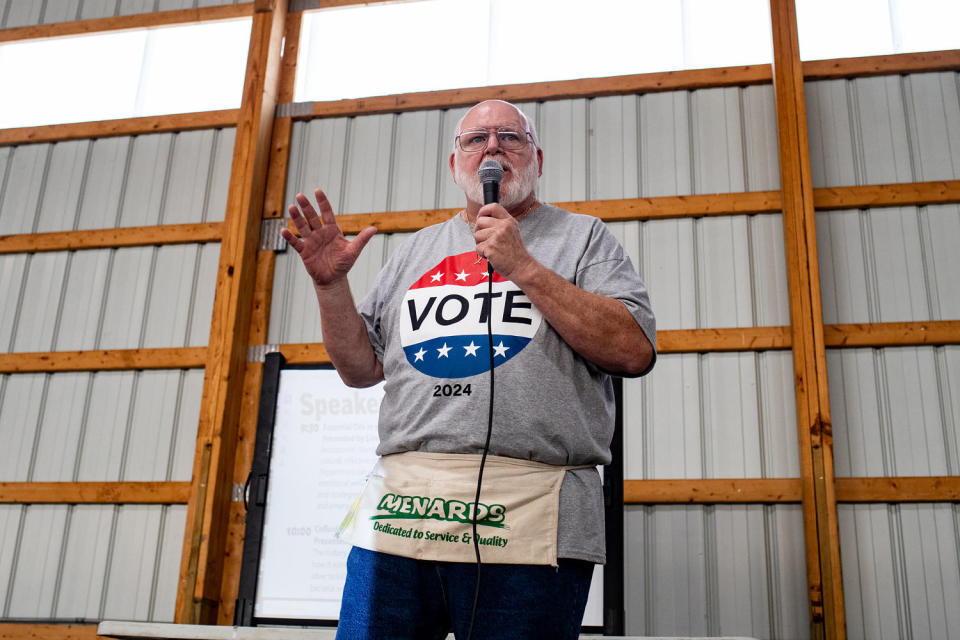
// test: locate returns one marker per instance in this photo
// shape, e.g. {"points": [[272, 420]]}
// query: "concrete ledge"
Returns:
{"points": [[164, 631]]}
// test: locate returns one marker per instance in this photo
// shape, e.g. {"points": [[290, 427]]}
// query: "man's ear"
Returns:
{"points": [[539, 162], [453, 166]]}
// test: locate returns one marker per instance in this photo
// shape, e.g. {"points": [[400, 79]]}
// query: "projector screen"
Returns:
{"points": [[316, 443]]}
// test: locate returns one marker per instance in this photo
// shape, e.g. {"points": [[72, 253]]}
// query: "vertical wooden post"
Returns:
{"points": [[806, 323], [201, 566], [273, 207]]}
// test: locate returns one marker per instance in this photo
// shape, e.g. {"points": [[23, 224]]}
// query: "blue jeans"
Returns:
{"points": [[387, 597]]}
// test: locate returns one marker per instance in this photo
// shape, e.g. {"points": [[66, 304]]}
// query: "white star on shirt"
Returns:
{"points": [[471, 349], [462, 275], [443, 351], [419, 355], [500, 350], [484, 274], [436, 277]]}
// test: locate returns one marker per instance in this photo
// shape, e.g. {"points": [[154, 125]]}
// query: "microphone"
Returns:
{"points": [[490, 173]]}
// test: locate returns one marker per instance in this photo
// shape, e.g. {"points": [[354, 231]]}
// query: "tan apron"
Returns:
{"points": [[420, 505]]}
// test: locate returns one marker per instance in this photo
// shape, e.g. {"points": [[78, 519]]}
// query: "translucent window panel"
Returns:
{"points": [[724, 570], [420, 46], [124, 74], [851, 28]]}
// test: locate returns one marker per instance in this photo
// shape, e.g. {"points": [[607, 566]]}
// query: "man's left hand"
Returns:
{"points": [[498, 240]]}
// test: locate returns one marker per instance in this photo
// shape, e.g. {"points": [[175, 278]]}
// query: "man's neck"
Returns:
{"points": [[470, 211]]}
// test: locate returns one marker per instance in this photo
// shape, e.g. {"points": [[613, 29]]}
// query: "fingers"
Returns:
{"points": [[305, 211], [361, 240], [292, 240], [308, 212], [298, 220], [492, 210], [326, 211]]}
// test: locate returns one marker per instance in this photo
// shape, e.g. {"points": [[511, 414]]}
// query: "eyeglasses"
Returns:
{"points": [[476, 140]]}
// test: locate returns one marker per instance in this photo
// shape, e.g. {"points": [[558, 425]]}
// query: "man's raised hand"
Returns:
{"points": [[327, 255]]}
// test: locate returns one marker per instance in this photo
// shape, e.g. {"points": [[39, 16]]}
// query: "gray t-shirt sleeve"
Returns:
{"points": [[369, 309], [607, 270]]}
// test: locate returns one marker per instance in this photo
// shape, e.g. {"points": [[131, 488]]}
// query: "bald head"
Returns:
{"points": [[498, 105]]}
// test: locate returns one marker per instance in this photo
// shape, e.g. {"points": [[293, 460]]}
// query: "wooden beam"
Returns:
{"points": [[887, 195], [202, 561], [655, 208], [19, 631], [111, 238], [903, 489], [305, 353], [246, 438], [712, 491], [668, 341], [94, 492], [900, 63], [556, 90], [727, 339], [259, 324], [739, 339], [135, 21], [892, 334], [103, 360], [400, 221], [274, 201], [667, 207], [821, 537], [120, 127], [789, 490]]}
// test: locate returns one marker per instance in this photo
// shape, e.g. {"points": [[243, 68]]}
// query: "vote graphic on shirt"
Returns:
{"points": [[443, 319]]}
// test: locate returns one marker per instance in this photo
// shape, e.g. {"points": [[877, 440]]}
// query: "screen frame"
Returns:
{"points": [[255, 502]]}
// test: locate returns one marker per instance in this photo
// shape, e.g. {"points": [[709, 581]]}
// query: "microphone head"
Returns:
{"points": [[490, 171]]}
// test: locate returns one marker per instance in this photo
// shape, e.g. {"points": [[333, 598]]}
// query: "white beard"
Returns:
{"points": [[512, 193]]}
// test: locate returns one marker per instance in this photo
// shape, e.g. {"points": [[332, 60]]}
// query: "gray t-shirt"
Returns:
{"points": [[426, 318]]}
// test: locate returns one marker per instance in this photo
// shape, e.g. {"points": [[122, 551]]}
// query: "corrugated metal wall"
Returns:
{"points": [[21, 13], [902, 128], [103, 561], [896, 410], [740, 569]]}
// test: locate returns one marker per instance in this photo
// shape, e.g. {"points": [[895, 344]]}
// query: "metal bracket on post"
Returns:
{"points": [[294, 110], [270, 238], [258, 352]]}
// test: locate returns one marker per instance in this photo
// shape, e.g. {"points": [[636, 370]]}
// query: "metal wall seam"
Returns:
{"points": [[884, 129], [895, 413], [109, 298], [721, 415], [901, 569], [41, 585], [128, 181], [891, 264], [670, 583]]}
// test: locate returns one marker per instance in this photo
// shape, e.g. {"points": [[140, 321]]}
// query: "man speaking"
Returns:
{"points": [[561, 310]]}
